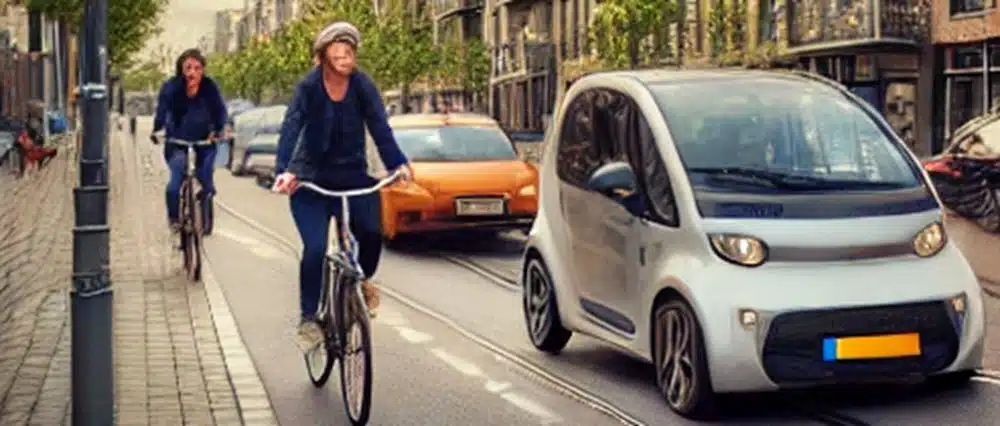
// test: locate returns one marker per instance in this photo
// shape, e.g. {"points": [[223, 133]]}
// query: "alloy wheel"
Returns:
{"points": [[674, 345], [537, 292]]}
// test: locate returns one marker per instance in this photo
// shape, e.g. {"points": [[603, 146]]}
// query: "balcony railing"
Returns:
{"points": [[522, 57], [445, 8], [572, 45], [812, 22]]}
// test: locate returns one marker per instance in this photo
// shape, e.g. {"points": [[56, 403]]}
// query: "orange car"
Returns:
{"points": [[467, 175]]}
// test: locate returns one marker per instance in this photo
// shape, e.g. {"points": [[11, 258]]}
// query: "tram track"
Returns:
{"points": [[504, 280]]}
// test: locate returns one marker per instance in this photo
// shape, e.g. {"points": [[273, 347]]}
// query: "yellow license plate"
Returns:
{"points": [[871, 347]]}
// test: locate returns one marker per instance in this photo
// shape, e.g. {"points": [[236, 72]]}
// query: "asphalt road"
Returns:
{"points": [[489, 309]]}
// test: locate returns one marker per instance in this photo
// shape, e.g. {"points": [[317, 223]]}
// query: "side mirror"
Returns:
{"points": [[611, 178]]}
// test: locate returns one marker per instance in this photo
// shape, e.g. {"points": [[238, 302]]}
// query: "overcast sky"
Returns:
{"points": [[186, 21]]}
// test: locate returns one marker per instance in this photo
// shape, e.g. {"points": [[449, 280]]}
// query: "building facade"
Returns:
{"points": [[967, 51], [524, 68], [227, 23]]}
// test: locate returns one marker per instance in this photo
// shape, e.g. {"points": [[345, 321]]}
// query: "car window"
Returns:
{"points": [[455, 143], [781, 127], [577, 155]]}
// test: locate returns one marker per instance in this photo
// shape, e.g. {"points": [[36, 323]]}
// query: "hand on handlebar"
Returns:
{"points": [[285, 183]]}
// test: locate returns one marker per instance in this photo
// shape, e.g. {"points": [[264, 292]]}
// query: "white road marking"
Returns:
{"points": [[465, 367], [496, 387], [390, 317], [256, 246], [987, 380], [532, 407], [413, 336]]}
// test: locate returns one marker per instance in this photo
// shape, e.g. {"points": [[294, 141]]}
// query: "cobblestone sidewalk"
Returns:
{"points": [[172, 367], [178, 356], [36, 216]]}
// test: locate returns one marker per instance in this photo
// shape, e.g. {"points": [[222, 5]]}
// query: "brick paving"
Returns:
{"points": [[174, 364], [35, 266], [171, 367]]}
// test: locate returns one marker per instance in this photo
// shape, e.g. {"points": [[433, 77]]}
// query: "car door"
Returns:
{"points": [[656, 234], [600, 243]]}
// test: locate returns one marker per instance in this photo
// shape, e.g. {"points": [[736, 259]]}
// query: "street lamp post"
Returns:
{"points": [[92, 341]]}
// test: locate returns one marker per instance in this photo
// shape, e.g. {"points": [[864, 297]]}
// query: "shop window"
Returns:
{"points": [[969, 6], [966, 99], [995, 90], [995, 55], [967, 57]]}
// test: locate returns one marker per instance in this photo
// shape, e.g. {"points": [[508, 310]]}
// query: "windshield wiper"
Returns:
{"points": [[791, 181]]}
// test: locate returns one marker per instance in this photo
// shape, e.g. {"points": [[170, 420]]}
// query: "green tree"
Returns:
{"points": [[130, 23], [144, 77], [401, 50], [623, 31]]}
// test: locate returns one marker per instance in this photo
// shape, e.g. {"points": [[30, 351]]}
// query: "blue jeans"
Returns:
{"points": [[204, 169], [312, 213]]}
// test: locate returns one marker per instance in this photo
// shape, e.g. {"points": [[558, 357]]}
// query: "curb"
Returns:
{"points": [[255, 405]]}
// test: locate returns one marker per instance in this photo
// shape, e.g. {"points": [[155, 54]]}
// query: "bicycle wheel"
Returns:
{"points": [[191, 232], [356, 349], [319, 361]]}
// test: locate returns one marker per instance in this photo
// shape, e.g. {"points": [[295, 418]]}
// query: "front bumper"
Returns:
{"points": [[795, 307], [439, 224]]}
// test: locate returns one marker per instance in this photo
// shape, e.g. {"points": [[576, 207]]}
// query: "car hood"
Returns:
{"points": [[478, 177]]}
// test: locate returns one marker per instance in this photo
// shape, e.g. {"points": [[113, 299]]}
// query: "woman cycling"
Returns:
{"points": [[189, 107], [323, 141]]}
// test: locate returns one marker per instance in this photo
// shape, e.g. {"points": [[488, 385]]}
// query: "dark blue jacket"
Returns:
{"points": [[324, 142], [189, 118]]}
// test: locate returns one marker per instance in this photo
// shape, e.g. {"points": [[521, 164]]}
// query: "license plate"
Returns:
{"points": [[871, 347], [479, 207]]}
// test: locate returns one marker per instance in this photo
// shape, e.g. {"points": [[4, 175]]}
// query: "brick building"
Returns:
{"points": [[966, 35]]}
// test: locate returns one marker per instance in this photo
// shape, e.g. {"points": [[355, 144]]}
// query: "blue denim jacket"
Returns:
{"points": [[324, 142]]}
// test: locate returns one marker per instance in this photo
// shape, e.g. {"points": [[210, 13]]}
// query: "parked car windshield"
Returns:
{"points": [[780, 134], [455, 143]]}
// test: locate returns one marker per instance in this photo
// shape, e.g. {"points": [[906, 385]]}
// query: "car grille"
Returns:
{"points": [[793, 349]]}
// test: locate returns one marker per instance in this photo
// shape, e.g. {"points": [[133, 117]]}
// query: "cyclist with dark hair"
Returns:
{"points": [[323, 141], [189, 107]]}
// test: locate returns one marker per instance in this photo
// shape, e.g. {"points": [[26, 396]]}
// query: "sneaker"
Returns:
{"points": [[373, 296], [310, 335]]}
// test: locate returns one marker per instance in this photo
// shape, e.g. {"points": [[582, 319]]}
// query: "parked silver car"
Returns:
{"points": [[744, 231], [255, 141]]}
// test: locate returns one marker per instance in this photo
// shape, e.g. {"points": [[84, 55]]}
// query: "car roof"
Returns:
{"points": [[440, 120], [650, 77]]}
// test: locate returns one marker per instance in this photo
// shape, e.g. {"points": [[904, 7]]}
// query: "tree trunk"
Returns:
{"points": [[404, 98]]}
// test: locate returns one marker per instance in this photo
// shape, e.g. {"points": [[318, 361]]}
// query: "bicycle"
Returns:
{"points": [[191, 223], [342, 276]]}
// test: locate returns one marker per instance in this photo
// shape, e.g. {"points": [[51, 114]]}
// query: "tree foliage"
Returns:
{"points": [[397, 50], [630, 33], [130, 23], [144, 77]]}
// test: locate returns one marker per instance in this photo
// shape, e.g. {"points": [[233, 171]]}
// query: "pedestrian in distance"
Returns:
{"points": [[189, 107], [322, 140]]}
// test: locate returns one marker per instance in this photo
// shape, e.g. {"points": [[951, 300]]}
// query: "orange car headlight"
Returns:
{"points": [[528, 191]]}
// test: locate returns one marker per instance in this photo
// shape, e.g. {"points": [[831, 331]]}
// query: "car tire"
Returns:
{"points": [[541, 310], [237, 168], [953, 380], [678, 348]]}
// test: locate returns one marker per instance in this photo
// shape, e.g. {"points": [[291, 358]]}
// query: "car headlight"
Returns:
{"points": [[528, 191], [739, 249], [930, 240]]}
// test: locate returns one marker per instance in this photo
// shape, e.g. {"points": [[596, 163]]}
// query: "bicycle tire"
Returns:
{"points": [[354, 316], [191, 232], [326, 323]]}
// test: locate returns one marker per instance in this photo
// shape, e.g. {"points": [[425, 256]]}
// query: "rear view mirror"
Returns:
{"points": [[611, 178]]}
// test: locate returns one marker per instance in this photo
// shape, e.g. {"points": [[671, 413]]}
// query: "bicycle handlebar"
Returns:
{"points": [[182, 142], [353, 192]]}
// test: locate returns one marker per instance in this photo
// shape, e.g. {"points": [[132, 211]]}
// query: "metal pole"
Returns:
{"points": [[92, 342]]}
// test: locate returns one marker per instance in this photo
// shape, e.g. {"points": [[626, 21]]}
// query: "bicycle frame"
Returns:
{"points": [[348, 255], [189, 171]]}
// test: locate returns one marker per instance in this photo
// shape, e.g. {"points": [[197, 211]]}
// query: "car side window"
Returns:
{"points": [[577, 155], [651, 172]]}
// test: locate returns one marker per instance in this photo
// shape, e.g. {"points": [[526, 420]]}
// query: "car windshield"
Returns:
{"points": [[455, 143], [781, 135]]}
